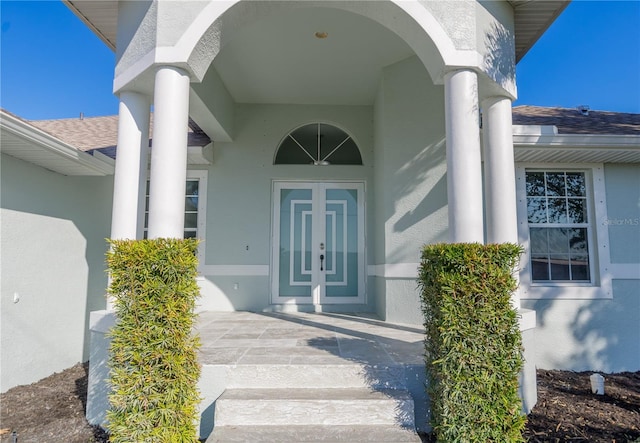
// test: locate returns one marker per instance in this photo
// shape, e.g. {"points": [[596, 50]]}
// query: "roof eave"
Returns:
{"points": [[42, 149], [74, 6], [576, 148]]}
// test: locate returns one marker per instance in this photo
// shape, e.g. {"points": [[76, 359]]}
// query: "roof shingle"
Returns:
{"points": [[99, 133], [573, 121]]}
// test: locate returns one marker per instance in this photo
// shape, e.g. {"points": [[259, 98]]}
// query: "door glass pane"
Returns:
{"points": [[341, 275], [295, 242]]}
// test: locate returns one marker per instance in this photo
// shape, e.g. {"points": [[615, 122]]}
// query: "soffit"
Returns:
{"points": [[532, 18], [576, 148]]}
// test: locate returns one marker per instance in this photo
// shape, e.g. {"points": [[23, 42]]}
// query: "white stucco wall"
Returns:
{"points": [[239, 198], [189, 34], [410, 181], [600, 334], [52, 257]]}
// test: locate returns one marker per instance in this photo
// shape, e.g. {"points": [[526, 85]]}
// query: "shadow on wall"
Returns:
{"points": [[421, 170], [597, 334], [500, 61]]}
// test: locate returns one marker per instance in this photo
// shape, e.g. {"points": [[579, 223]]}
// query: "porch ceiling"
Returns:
{"points": [[351, 41], [281, 60]]}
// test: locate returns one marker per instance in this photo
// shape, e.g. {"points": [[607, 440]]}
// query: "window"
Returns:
{"points": [[194, 205], [318, 144], [559, 228], [566, 244]]}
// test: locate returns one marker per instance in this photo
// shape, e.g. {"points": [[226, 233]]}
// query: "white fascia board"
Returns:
{"points": [[99, 165], [631, 142]]}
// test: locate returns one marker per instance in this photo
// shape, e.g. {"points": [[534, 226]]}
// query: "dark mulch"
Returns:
{"points": [[567, 411], [52, 410]]}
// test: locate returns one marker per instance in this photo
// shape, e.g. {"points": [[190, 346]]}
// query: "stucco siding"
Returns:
{"points": [[410, 180], [594, 335], [52, 249], [414, 166], [600, 334], [622, 182], [240, 187]]}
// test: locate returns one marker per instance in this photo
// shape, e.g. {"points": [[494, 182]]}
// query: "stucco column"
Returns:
{"points": [[464, 170], [169, 153], [499, 171], [499, 174], [131, 165]]}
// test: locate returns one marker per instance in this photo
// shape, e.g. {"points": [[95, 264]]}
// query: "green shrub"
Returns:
{"points": [[473, 343], [153, 355]]}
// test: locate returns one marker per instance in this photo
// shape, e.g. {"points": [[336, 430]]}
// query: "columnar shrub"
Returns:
{"points": [[153, 362], [473, 343]]}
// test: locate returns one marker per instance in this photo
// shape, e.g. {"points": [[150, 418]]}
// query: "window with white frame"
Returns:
{"points": [[195, 199], [559, 226], [561, 209]]}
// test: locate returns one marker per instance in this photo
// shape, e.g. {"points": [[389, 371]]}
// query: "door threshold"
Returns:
{"points": [[292, 308]]}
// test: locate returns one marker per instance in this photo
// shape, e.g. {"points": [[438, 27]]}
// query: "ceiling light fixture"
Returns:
{"points": [[321, 35]]}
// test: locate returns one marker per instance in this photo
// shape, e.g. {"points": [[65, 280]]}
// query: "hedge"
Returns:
{"points": [[153, 352], [473, 344]]}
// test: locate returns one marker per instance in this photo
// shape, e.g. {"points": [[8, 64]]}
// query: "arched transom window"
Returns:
{"points": [[318, 144]]}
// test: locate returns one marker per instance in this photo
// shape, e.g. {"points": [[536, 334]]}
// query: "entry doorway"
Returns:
{"points": [[318, 243]]}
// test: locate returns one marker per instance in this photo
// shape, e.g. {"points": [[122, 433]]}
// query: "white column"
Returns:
{"points": [[500, 175], [131, 165], [169, 153], [464, 170], [499, 171]]}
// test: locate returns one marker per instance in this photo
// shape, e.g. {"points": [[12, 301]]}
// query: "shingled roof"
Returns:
{"points": [[578, 121], [100, 133]]}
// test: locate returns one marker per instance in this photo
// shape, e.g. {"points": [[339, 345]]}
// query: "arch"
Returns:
{"points": [[219, 22], [319, 144]]}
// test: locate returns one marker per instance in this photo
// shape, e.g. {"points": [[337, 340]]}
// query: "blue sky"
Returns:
{"points": [[52, 66]]}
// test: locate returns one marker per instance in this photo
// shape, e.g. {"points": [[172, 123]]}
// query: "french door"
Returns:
{"points": [[318, 243]]}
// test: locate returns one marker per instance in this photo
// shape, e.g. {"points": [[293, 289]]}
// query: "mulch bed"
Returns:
{"points": [[567, 411], [52, 410]]}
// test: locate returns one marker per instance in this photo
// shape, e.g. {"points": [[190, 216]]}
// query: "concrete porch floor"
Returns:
{"points": [[290, 351], [248, 338]]}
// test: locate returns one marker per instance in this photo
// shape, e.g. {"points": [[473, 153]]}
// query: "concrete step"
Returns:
{"points": [[325, 376], [309, 433], [347, 406]]}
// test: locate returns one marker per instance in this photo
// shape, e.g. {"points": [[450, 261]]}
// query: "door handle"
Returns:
{"points": [[321, 260]]}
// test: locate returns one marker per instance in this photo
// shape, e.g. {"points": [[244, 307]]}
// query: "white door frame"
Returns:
{"points": [[318, 282]]}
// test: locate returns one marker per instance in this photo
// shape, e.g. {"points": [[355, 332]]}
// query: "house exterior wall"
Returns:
{"points": [[240, 188], [600, 334], [410, 184], [52, 254]]}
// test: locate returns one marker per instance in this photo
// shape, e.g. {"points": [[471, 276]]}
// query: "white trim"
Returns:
{"points": [[201, 176], [394, 270], [601, 275], [234, 270], [624, 271]]}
